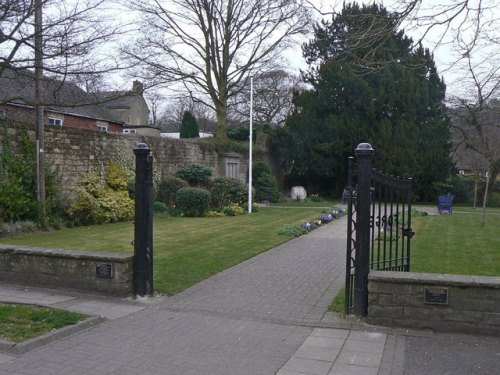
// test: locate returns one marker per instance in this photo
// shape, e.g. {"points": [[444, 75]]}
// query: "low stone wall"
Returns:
{"points": [[67, 269], [445, 303]]}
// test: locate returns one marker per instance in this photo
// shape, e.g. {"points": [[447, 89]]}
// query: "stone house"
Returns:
{"points": [[123, 112]]}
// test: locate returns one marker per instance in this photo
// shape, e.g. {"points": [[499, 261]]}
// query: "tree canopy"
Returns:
{"points": [[375, 89]]}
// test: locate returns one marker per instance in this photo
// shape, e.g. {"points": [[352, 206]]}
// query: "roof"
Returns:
{"points": [[18, 87]]}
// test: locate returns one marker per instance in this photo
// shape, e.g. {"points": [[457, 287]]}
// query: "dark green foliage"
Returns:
{"points": [[189, 126], [193, 202], [375, 90], [159, 207], [195, 175], [167, 188], [18, 197], [460, 190], [264, 183], [238, 132], [226, 190]]}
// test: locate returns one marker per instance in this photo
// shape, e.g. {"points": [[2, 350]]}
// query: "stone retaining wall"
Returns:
{"points": [[447, 303], [67, 269], [75, 152]]}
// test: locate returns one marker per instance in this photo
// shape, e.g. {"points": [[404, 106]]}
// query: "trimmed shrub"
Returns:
{"points": [[192, 201], [226, 190], [265, 185], [195, 175], [167, 188], [189, 126], [103, 200], [159, 207], [233, 209]]}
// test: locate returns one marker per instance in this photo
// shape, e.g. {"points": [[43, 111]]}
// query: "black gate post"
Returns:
{"points": [[143, 229], [364, 153]]}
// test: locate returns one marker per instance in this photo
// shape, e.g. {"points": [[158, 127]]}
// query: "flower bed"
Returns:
{"points": [[304, 228]]}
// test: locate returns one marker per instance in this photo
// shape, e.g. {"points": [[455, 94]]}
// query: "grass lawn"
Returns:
{"points": [[22, 322], [456, 244], [186, 250], [306, 204]]}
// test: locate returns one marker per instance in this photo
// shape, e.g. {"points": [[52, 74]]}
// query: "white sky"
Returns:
{"points": [[453, 75]]}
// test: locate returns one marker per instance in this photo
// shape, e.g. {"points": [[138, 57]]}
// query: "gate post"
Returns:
{"points": [[143, 226], [364, 153]]}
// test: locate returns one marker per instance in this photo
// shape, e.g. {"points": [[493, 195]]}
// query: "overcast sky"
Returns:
{"points": [[444, 57]]}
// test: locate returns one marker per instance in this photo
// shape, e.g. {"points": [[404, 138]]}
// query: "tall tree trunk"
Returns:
{"points": [[475, 191], [221, 112]]}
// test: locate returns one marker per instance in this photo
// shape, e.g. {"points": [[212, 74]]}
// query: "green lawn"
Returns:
{"points": [[186, 250], [22, 322], [456, 244], [326, 203]]}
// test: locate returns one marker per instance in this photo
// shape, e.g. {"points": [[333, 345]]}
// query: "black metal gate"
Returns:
{"points": [[378, 227]]}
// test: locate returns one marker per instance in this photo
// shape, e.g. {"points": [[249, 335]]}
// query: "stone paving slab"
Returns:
{"points": [[339, 352]]}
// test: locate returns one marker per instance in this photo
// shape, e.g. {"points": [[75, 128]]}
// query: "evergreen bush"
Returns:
{"points": [[226, 190], [18, 197], [265, 185], [167, 188], [238, 132], [195, 175], [193, 202], [189, 126]]}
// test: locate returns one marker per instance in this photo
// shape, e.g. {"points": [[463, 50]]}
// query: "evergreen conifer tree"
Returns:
{"points": [[376, 89], [189, 126]]}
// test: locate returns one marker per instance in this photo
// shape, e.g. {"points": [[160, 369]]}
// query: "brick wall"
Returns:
{"points": [[447, 303], [77, 151]]}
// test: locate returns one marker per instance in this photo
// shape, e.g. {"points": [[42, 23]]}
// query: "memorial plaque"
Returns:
{"points": [[104, 270], [436, 296]]}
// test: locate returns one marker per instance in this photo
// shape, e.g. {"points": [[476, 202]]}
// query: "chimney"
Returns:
{"points": [[138, 87]]}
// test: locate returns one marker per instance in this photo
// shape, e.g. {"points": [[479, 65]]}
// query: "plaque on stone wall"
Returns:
{"points": [[436, 296], [104, 270]]}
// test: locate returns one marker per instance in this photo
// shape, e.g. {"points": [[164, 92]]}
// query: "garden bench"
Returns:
{"points": [[445, 203]]}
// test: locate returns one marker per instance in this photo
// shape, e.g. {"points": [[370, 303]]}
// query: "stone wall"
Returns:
{"points": [[77, 151], [67, 269], [447, 303]]}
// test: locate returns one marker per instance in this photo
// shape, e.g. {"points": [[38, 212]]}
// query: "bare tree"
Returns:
{"points": [[72, 34], [272, 97], [211, 46], [171, 116]]}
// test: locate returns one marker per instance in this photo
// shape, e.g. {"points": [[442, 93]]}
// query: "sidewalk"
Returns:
{"points": [[263, 316]]}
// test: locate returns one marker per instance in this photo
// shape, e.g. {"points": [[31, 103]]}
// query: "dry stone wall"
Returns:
{"points": [[78, 151]]}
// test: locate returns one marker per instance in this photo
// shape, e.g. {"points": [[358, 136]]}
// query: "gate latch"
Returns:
{"points": [[408, 232]]}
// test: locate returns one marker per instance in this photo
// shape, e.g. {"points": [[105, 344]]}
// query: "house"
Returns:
{"points": [[68, 105]]}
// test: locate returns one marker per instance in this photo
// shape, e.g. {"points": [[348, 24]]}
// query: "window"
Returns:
{"points": [[129, 131], [3, 113], [102, 126], [55, 121]]}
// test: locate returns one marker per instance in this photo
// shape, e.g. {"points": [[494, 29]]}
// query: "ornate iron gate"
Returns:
{"points": [[378, 228]]}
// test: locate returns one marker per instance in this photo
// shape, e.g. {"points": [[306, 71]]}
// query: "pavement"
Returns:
{"points": [[266, 316]]}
